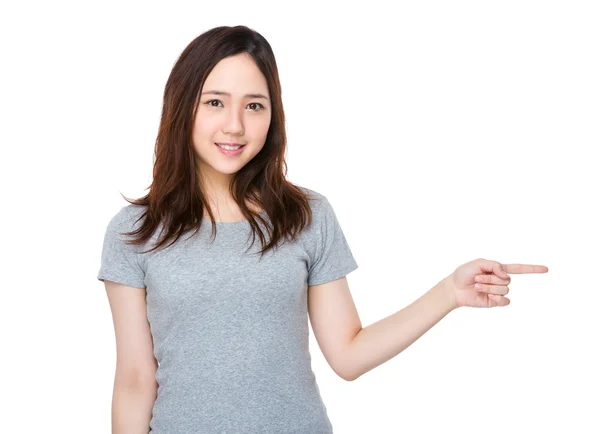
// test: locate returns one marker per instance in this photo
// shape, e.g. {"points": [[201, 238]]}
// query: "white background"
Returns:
{"points": [[440, 132]]}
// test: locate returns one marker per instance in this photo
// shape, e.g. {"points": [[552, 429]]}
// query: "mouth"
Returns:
{"points": [[230, 146], [230, 150]]}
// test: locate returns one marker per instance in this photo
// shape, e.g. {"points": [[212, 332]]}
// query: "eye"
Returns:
{"points": [[259, 105], [209, 103]]}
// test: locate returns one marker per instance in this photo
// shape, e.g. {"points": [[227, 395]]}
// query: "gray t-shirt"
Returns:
{"points": [[230, 330]]}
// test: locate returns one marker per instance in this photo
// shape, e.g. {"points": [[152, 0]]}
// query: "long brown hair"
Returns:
{"points": [[176, 198]]}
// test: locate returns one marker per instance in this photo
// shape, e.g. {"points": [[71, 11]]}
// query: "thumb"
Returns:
{"points": [[493, 267]]}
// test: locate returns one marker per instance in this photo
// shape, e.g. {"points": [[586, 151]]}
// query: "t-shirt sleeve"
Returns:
{"points": [[333, 258], [119, 261]]}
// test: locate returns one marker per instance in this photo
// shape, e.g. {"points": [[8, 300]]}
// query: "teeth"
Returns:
{"points": [[229, 148]]}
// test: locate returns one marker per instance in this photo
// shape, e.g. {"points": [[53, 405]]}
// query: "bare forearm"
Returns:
{"points": [[385, 339], [132, 408]]}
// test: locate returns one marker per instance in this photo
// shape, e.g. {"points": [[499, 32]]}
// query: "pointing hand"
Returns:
{"points": [[484, 283]]}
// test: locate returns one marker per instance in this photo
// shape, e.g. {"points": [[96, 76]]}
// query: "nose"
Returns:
{"points": [[233, 124]]}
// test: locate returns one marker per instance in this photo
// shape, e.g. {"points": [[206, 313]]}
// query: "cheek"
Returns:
{"points": [[205, 127], [260, 129]]}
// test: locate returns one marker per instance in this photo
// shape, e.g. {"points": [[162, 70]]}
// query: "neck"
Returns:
{"points": [[215, 186]]}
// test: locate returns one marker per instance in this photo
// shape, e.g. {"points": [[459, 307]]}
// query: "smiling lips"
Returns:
{"points": [[229, 144], [230, 150]]}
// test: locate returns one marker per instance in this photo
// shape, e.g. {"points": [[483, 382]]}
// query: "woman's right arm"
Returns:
{"points": [[132, 408], [135, 386]]}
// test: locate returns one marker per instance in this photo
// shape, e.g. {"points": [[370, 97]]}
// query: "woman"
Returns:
{"points": [[211, 329]]}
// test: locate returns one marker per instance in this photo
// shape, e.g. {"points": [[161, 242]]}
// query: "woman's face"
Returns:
{"points": [[231, 110]]}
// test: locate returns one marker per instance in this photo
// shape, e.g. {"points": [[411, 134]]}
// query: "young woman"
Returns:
{"points": [[211, 326]]}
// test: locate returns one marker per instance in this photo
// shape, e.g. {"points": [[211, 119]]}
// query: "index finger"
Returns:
{"points": [[524, 268]]}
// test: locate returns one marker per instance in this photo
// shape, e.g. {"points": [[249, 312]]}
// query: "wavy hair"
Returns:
{"points": [[176, 198]]}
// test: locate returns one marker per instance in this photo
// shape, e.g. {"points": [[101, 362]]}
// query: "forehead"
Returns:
{"points": [[236, 74]]}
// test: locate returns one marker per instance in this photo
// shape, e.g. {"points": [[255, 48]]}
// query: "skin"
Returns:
{"points": [[483, 283], [233, 118]]}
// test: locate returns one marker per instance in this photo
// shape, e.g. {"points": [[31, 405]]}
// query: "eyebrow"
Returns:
{"points": [[248, 95]]}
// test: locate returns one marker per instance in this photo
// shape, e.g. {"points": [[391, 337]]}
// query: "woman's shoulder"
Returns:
{"points": [[313, 195], [125, 218]]}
